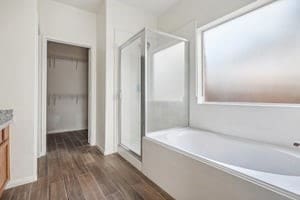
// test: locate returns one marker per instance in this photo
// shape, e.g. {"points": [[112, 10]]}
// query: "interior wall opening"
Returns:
{"points": [[67, 92]]}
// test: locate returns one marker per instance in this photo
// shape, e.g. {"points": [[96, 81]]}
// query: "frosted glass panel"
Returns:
{"points": [[168, 73], [255, 57], [131, 58], [167, 82]]}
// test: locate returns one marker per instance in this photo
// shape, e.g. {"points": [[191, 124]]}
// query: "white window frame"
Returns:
{"points": [[200, 68]]}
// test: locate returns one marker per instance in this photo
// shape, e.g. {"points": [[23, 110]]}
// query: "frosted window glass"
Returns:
{"points": [[169, 74], [255, 57]]}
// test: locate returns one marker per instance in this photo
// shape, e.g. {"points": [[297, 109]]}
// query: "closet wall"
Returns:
{"points": [[67, 89]]}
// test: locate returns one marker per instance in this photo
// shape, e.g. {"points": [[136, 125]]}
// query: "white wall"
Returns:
{"points": [[122, 22], [64, 23], [278, 125], [18, 83], [202, 11], [101, 64], [67, 23]]}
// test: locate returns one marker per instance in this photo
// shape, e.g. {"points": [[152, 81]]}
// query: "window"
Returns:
{"points": [[253, 57]]}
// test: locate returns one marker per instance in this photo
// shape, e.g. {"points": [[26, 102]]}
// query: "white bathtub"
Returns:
{"points": [[227, 167]]}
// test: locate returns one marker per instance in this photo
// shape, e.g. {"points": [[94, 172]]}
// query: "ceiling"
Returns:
{"points": [[157, 7], [89, 5]]}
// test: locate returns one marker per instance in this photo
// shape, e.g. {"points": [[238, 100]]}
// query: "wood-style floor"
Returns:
{"points": [[74, 170]]}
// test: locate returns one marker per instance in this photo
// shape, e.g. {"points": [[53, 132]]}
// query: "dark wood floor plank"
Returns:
{"points": [[42, 167], [148, 184], [74, 170], [133, 178], [89, 188], [53, 166], [86, 157], [125, 190], [40, 190], [73, 188], [7, 195], [74, 140], [58, 138], [146, 191], [57, 190], [22, 192], [114, 196], [124, 171], [51, 145], [106, 185], [79, 164], [69, 144], [65, 160]]}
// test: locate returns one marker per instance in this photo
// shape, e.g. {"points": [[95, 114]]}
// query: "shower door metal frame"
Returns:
{"points": [[143, 34]]}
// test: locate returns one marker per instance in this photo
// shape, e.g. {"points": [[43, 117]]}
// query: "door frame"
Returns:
{"points": [[140, 34], [42, 94]]}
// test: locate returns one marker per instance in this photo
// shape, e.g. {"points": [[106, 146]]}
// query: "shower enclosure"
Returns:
{"points": [[153, 86]]}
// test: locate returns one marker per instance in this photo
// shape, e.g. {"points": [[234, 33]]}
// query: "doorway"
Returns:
{"points": [[67, 90]]}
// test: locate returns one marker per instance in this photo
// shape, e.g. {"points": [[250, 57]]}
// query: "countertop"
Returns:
{"points": [[6, 117]]}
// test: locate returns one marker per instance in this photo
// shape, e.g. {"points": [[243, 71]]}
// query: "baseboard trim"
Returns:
{"points": [[41, 154], [100, 149], [109, 152], [130, 158], [22, 181], [66, 130], [103, 151]]}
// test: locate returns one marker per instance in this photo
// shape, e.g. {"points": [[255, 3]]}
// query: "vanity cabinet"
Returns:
{"points": [[4, 158]]}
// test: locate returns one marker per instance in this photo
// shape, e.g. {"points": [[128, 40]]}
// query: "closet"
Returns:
{"points": [[67, 88]]}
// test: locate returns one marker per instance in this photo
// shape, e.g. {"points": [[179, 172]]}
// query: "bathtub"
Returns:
{"points": [[191, 164]]}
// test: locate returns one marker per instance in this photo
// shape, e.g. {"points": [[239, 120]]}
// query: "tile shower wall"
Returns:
{"points": [[67, 94], [167, 83]]}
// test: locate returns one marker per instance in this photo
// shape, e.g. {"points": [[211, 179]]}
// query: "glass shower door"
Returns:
{"points": [[131, 59]]}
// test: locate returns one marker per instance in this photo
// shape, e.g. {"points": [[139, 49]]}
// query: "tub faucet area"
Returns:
{"points": [[296, 144]]}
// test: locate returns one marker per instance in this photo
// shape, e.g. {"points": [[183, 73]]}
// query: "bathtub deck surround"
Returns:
{"points": [[243, 169]]}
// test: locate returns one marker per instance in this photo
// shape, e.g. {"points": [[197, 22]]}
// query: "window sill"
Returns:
{"points": [[245, 104]]}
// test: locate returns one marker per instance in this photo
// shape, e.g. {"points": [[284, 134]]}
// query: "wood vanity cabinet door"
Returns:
{"points": [[5, 134], [4, 159], [1, 135], [3, 166]]}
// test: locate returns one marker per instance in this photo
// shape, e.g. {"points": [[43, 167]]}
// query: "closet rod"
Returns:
{"points": [[68, 95], [67, 58]]}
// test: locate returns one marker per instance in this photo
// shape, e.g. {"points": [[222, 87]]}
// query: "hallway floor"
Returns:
{"points": [[74, 170]]}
